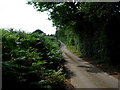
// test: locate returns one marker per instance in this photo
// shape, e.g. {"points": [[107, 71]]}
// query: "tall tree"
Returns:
{"points": [[86, 25]]}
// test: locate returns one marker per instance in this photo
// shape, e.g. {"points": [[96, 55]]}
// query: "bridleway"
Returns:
{"points": [[85, 75]]}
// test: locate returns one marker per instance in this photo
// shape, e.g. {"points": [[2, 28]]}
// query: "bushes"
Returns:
{"points": [[30, 61]]}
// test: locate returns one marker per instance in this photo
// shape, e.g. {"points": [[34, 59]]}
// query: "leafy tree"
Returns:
{"points": [[86, 25], [39, 31]]}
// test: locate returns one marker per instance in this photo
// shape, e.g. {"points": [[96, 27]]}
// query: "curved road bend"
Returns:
{"points": [[85, 75]]}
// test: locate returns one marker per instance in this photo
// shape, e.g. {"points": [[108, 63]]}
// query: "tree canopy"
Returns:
{"points": [[92, 27]]}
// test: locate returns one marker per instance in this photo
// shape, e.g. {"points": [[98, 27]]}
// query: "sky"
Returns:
{"points": [[19, 15]]}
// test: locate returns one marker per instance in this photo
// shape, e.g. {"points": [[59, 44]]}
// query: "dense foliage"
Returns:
{"points": [[31, 61], [90, 27]]}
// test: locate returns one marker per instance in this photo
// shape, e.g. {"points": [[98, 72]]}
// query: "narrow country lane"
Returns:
{"points": [[85, 75]]}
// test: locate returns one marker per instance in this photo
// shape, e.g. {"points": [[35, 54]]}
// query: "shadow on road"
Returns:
{"points": [[90, 69], [69, 73], [83, 66]]}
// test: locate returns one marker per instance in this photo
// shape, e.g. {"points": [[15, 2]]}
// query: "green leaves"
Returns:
{"points": [[90, 27], [38, 64], [29, 60]]}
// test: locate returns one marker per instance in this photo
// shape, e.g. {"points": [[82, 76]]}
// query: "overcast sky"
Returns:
{"points": [[17, 14]]}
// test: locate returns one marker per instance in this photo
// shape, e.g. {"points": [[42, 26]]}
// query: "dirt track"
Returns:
{"points": [[85, 75]]}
